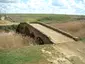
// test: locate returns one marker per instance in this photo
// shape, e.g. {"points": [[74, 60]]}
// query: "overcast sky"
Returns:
{"points": [[43, 6]]}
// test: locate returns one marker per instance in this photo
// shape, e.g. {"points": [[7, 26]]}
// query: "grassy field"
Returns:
{"points": [[25, 55], [44, 17]]}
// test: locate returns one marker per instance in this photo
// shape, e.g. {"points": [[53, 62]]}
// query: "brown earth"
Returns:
{"points": [[76, 28], [66, 53]]}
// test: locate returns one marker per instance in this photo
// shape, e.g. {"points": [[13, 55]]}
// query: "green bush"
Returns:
{"points": [[8, 28]]}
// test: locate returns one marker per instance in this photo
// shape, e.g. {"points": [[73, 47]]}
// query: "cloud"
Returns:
{"points": [[43, 6], [31, 6], [8, 1], [71, 6]]}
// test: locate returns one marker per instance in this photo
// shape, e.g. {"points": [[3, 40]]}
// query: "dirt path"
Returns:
{"points": [[66, 53], [54, 36], [9, 24]]}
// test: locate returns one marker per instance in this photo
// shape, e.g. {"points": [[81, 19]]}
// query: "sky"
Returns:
{"points": [[74, 7]]}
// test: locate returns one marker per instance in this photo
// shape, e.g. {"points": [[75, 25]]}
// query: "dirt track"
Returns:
{"points": [[54, 36], [9, 24], [67, 51]]}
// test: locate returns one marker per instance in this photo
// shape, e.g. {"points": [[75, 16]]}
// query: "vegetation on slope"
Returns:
{"points": [[9, 28], [26, 55]]}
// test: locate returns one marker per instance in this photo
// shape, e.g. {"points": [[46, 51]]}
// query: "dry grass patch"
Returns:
{"points": [[13, 40], [4, 22], [25, 55]]}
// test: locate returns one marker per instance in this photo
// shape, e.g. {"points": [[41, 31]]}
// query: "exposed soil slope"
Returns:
{"points": [[76, 28]]}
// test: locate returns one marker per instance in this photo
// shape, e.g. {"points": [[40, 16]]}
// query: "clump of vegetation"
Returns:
{"points": [[82, 39], [9, 28], [81, 17], [55, 18]]}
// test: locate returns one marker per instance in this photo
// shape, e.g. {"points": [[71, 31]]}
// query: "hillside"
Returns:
{"points": [[76, 28], [19, 49], [67, 23]]}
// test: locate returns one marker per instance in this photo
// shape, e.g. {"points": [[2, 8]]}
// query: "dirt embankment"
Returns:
{"points": [[76, 28], [66, 53]]}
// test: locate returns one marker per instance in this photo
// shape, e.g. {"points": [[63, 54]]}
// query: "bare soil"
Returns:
{"points": [[76, 28], [66, 53]]}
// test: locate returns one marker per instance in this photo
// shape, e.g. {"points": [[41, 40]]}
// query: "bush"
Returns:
{"points": [[8, 28]]}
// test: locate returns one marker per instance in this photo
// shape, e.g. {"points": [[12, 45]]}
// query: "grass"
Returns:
{"points": [[83, 39], [26, 55], [55, 18], [9, 28], [43, 17]]}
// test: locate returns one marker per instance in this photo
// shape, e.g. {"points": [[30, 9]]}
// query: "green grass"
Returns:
{"points": [[83, 39], [43, 17], [9, 28], [29, 55], [55, 18]]}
